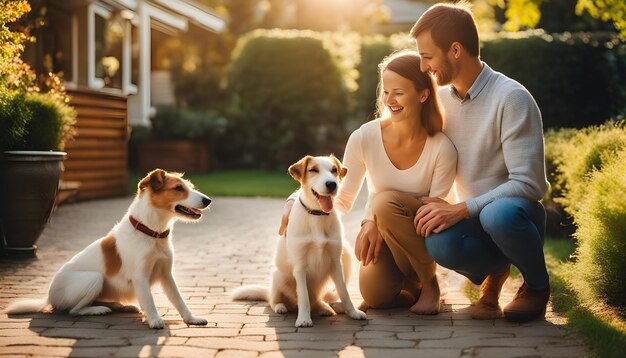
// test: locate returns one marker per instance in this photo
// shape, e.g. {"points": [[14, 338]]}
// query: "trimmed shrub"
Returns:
{"points": [[14, 117], [373, 51], [34, 121], [184, 123], [574, 81], [573, 155], [288, 98], [601, 259], [51, 125]]}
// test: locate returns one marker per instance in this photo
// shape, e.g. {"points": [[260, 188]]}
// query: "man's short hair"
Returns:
{"points": [[449, 23]]}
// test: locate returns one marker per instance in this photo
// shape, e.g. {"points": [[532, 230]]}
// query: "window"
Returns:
{"points": [[109, 36]]}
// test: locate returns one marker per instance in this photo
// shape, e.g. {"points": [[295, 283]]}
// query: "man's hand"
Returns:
{"points": [[285, 219], [437, 215], [368, 243]]}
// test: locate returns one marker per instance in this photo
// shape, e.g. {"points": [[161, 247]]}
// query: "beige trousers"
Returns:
{"points": [[403, 263]]}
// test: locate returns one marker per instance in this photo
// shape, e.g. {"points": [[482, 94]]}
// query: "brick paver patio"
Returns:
{"points": [[231, 246]]}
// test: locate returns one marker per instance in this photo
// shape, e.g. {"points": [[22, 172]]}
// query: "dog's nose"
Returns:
{"points": [[206, 201], [331, 185]]}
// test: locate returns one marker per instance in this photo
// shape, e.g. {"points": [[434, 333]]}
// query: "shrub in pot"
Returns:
{"points": [[33, 129], [38, 124]]}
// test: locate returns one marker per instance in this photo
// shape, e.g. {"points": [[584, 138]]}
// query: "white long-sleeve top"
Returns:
{"points": [[498, 133], [365, 157]]}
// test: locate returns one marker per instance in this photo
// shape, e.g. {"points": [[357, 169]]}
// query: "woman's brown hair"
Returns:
{"points": [[406, 63]]}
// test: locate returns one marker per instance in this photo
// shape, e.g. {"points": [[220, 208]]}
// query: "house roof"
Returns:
{"points": [[197, 13], [189, 10]]}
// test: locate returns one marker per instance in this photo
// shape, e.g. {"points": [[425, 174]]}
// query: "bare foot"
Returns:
{"points": [[428, 302]]}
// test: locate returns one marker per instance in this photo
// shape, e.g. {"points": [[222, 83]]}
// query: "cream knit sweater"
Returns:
{"points": [[498, 133]]}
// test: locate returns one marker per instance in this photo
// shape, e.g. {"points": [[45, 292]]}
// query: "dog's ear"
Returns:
{"points": [[298, 169], [155, 180], [341, 169]]}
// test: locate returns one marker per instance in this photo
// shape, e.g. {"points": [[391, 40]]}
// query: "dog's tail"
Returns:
{"points": [[27, 305], [251, 293]]}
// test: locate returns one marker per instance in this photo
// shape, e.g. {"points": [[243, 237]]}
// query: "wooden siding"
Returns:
{"points": [[97, 157]]}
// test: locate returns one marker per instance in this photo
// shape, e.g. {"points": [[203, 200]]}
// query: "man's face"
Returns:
{"points": [[435, 61]]}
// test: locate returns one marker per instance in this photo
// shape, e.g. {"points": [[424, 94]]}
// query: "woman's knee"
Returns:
{"points": [[378, 286], [384, 202]]}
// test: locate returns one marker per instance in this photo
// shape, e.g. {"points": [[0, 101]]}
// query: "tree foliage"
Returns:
{"points": [[527, 13]]}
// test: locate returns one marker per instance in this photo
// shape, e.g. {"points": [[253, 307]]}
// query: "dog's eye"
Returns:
{"points": [[314, 170], [179, 188], [334, 170]]}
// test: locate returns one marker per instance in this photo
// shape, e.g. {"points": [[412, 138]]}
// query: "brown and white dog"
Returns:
{"points": [[313, 252], [137, 253]]}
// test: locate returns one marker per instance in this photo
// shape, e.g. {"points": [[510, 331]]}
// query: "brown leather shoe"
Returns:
{"points": [[488, 307], [527, 304]]}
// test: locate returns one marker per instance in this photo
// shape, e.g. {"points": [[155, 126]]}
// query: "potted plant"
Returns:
{"points": [[35, 122]]}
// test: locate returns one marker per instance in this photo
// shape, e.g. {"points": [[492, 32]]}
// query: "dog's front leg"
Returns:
{"points": [[304, 305], [144, 296], [173, 294], [340, 284]]}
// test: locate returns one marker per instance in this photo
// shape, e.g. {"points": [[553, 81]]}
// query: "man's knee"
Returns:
{"points": [[444, 250], [504, 216]]}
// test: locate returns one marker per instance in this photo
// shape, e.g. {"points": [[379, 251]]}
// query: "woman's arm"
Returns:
{"points": [[353, 159]]}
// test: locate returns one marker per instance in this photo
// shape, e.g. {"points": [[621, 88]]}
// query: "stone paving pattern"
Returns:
{"points": [[231, 246]]}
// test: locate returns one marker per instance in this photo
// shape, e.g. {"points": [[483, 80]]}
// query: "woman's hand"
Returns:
{"points": [[368, 243], [284, 220]]}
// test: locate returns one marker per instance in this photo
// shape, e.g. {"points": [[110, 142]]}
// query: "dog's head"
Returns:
{"points": [[319, 177], [169, 191]]}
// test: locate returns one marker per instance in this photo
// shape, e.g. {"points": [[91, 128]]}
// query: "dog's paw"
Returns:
{"points": [[280, 308], [91, 311], [156, 323], [337, 307], [304, 322], [129, 309], [357, 314], [197, 321]]}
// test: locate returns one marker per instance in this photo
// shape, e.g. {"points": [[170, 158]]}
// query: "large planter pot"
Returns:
{"points": [[28, 188]]}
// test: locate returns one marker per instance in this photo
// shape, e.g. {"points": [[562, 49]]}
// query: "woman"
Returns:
{"points": [[404, 156]]}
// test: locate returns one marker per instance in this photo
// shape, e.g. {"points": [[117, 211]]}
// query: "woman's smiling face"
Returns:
{"points": [[400, 96]]}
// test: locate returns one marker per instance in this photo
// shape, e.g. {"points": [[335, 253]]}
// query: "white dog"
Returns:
{"points": [[120, 267], [312, 252]]}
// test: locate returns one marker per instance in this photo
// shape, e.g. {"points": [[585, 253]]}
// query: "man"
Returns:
{"points": [[496, 127]]}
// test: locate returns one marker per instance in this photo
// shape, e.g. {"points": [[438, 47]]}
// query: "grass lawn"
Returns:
{"points": [[248, 183], [603, 329]]}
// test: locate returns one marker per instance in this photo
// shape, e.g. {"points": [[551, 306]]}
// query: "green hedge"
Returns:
{"points": [[574, 81], [373, 51], [288, 98], [601, 252], [587, 170], [572, 155]]}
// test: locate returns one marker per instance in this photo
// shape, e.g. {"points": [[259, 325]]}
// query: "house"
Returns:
{"points": [[107, 53], [403, 15]]}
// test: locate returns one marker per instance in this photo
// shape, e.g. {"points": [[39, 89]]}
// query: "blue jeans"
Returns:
{"points": [[507, 231]]}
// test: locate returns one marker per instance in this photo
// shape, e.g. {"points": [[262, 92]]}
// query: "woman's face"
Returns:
{"points": [[400, 97]]}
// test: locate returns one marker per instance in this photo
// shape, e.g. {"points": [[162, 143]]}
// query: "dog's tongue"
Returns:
{"points": [[326, 203]]}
